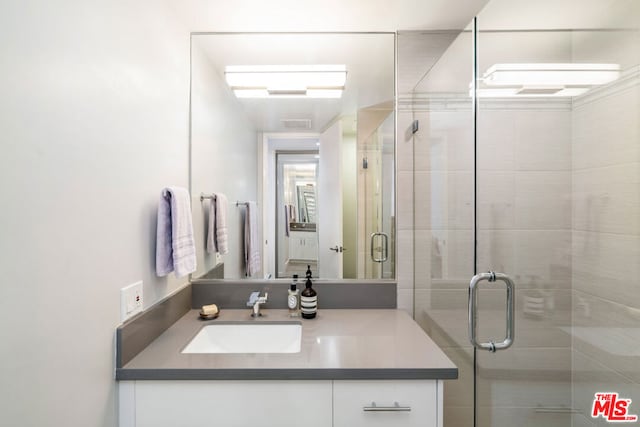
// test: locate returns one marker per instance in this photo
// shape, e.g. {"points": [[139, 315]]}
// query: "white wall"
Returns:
{"points": [[224, 160], [93, 124]]}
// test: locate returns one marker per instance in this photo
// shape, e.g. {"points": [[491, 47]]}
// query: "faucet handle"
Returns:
{"points": [[253, 298]]}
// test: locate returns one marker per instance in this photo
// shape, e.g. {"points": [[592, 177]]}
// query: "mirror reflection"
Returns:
{"points": [[297, 244], [304, 126]]}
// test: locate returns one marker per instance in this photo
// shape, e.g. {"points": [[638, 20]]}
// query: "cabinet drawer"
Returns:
{"points": [[354, 402], [233, 403]]}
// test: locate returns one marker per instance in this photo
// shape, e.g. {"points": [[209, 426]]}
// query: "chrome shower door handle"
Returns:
{"points": [[385, 254], [473, 302]]}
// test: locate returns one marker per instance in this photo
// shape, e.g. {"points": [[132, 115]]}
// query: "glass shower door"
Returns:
{"points": [[523, 192], [526, 163], [556, 173], [376, 185]]}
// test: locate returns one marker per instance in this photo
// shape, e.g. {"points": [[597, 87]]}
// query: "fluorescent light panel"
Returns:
{"points": [[527, 92], [550, 74], [544, 80], [286, 81]]}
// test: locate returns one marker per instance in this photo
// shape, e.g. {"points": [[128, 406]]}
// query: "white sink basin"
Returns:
{"points": [[247, 338]]}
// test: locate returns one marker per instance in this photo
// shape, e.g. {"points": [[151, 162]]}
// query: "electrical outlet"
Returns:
{"points": [[131, 301]]}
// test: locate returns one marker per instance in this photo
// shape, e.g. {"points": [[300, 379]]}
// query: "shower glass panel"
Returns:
{"points": [[435, 166], [523, 227], [536, 174]]}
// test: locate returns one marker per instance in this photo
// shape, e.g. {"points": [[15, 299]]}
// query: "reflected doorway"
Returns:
{"points": [[296, 212]]}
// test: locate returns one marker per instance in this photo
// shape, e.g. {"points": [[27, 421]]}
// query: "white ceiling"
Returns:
{"points": [[558, 14], [326, 15]]}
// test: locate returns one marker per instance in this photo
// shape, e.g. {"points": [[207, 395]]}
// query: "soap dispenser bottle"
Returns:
{"points": [[293, 298], [309, 299]]}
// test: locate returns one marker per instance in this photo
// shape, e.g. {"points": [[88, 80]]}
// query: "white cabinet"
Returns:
{"points": [[319, 403], [398, 403], [303, 245], [232, 403]]}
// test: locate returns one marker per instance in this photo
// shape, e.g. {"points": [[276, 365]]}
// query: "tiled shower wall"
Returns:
{"points": [[606, 246], [524, 229], [561, 213]]}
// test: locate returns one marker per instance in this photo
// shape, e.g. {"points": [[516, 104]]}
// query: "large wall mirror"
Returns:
{"points": [[299, 128]]}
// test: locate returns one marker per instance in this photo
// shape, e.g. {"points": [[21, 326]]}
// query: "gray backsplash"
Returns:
{"points": [[344, 294]]}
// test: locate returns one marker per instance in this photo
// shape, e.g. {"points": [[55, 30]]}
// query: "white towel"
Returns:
{"points": [[287, 219], [251, 244], [217, 234], [175, 245]]}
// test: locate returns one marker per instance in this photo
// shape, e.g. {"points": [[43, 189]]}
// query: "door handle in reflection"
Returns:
{"points": [[473, 302], [338, 249], [385, 253]]}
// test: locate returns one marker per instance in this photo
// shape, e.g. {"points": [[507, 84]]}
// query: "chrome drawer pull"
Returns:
{"points": [[395, 408]]}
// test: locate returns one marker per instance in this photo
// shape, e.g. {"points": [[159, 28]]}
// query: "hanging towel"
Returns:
{"points": [[175, 245], [287, 219], [217, 235], [211, 228], [251, 245]]}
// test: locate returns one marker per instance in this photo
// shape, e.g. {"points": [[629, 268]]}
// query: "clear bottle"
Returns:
{"points": [[309, 301], [293, 298]]}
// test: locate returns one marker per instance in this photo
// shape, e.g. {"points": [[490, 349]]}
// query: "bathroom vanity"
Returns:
{"points": [[354, 367]]}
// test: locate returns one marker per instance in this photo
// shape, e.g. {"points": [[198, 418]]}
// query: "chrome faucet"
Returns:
{"points": [[255, 300]]}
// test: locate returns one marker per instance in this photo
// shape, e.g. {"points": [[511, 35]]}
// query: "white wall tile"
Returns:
{"points": [[460, 392], [443, 200], [404, 260], [404, 217], [496, 194], [425, 263], [496, 141], [444, 142], [543, 140], [405, 300], [497, 251], [607, 199], [543, 200], [544, 255], [590, 377], [606, 132], [606, 265], [404, 142]]}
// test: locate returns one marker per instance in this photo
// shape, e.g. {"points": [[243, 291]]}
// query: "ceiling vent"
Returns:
{"points": [[296, 123]]}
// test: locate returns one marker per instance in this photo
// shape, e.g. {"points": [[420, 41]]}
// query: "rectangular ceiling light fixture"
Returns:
{"points": [[553, 79], [286, 81]]}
